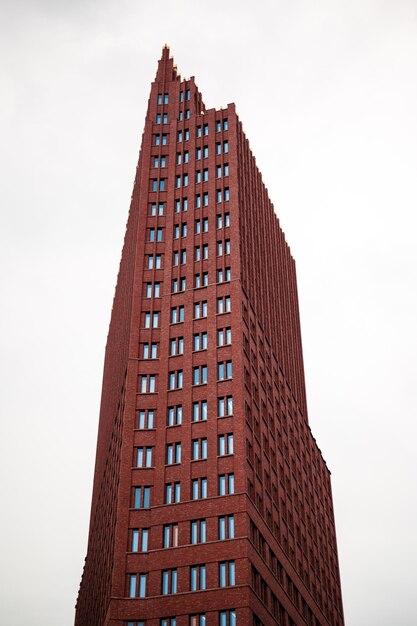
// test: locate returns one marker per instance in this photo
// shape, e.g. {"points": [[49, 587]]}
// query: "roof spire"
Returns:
{"points": [[166, 69]]}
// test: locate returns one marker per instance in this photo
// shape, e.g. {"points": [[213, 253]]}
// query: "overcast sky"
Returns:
{"points": [[327, 93]]}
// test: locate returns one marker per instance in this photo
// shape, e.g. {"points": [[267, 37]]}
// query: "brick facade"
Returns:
{"points": [[211, 501]]}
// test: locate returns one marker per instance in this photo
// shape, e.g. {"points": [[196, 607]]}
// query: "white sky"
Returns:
{"points": [[327, 94]]}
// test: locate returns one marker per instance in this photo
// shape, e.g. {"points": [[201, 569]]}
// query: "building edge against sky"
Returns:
{"points": [[211, 501]]}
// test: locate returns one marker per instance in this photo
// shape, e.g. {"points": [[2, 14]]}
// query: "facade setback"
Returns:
{"points": [[212, 503]]}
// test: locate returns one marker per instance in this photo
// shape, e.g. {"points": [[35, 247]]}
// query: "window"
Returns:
{"points": [[205, 175], [157, 140], [223, 276], [222, 171], [165, 118], [174, 417], [201, 280], [179, 205], [200, 341], [225, 124], [225, 221], [197, 227], [153, 289], [224, 336], [176, 346], [186, 134], [225, 406], [165, 98], [172, 493], [200, 375], [198, 176], [197, 577], [158, 118], [139, 540], [206, 129], [199, 488], [198, 531], [154, 261], [227, 618], [205, 152], [199, 449], [148, 383], [198, 620], [205, 225], [227, 574], [187, 94], [146, 419], [225, 444], [137, 585], [169, 621], [155, 162], [157, 209], [181, 100], [173, 453], [186, 155], [218, 147], [205, 199], [170, 536], [159, 98], [150, 350], [175, 380], [164, 139], [144, 456], [201, 252], [187, 114], [141, 497], [178, 284], [226, 527], [198, 201], [225, 146], [199, 133], [200, 309], [223, 247], [180, 229], [158, 184], [224, 370], [151, 319], [226, 192], [145, 538], [177, 314], [198, 154], [199, 411], [155, 234], [224, 304], [169, 581], [226, 484], [179, 136]]}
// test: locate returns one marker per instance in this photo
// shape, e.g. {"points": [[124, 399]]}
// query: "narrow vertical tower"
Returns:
{"points": [[211, 501]]}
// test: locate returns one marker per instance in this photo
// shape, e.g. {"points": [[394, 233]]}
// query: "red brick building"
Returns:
{"points": [[211, 503]]}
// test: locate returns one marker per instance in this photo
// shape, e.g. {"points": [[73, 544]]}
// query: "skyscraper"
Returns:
{"points": [[211, 501]]}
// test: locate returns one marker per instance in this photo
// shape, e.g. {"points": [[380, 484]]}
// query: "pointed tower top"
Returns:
{"points": [[167, 71]]}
